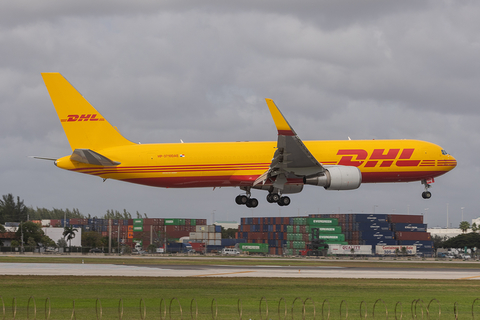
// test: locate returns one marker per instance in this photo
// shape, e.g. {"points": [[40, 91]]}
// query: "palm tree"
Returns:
{"points": [[69, 234], [464, 225]]}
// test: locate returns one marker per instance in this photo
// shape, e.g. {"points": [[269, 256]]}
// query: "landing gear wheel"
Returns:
{"points": [[275, 197], [284, 201], [426, 195], [241, 199], [252, 203]]}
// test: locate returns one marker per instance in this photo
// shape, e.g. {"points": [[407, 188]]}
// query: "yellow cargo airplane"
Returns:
{"points": [[281, 167]]}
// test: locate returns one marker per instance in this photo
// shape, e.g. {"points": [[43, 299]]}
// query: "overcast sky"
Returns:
{"points": [[199, 71]]}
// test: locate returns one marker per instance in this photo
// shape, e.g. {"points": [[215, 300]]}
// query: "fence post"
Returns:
{"points": [[120, 309], [14, 307], [98, 302], [323, 304], [366, 311], [260, 308], [293, 304], [439, 309], [196, 308], [143, 314], [285, 309], [170, 308], [74, 316], [473, 303], [304, 311], [455, 310], [216, 309], [240, 308], [401, 310], [3, 308], [165, 312], [47, 316], [386, 310], [34, 308], [346, 309]]}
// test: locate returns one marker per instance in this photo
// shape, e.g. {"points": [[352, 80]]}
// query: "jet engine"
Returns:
{"points": [[337, 178]]}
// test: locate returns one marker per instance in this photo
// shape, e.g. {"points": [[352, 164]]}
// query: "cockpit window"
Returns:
{"points": [[445, 153]]}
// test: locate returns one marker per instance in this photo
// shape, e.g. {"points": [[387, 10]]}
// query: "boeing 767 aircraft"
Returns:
{"points": [[282, 167]]}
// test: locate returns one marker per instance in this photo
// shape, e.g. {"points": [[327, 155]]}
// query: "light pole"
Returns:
{"points": [[462, 212], [425, 219]]}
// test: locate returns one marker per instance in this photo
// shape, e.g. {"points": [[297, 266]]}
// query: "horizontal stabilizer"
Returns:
{"points": [[91, 157], [43, 158]]}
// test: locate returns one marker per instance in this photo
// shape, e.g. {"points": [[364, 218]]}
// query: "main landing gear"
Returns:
{"points": [[275, 197], [426, 194], [249, 202]]}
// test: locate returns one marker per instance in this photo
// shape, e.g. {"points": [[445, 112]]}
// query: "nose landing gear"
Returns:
{"points": [[427, 194]]}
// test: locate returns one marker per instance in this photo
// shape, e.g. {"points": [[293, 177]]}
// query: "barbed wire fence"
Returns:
{"points": [[300, 308]]}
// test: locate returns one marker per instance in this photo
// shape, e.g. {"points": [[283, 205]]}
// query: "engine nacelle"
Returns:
{"points": [[337, 178]]}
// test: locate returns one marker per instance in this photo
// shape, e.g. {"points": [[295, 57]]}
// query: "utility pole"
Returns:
{"points": [[109, 236]]}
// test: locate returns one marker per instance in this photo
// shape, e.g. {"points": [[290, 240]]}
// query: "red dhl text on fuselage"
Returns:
{"points": [[236, 163]]}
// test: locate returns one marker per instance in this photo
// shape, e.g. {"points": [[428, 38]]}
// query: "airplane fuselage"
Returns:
{"points": [[234, 164]]}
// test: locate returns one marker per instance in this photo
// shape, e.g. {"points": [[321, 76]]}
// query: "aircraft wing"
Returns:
{"points": [[291, 156]]}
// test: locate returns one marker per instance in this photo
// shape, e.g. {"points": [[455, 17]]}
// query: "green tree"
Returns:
{"points": [[69, 234], [469, 240], [464, 226], [92, 239], [30, 230], [61, 243], [228, 233], [474, 227], [11, 210]]}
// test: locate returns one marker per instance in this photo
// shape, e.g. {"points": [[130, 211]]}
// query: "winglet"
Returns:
{"points": [[283, 127]]}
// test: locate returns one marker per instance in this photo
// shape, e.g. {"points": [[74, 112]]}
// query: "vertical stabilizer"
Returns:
{"points": [[84, 126]]}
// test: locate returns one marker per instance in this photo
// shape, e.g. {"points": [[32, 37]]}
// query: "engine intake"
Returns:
{"points": [[337, 178]]}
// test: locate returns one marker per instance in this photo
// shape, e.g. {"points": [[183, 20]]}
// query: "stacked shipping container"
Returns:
{"points": [[146, 230], [294, 234]]}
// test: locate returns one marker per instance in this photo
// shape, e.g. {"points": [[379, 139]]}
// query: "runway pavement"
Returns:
{"points": [[131, 270]]}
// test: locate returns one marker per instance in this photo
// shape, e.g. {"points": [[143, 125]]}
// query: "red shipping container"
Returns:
{"points": [[417, 236], [405, 218]]}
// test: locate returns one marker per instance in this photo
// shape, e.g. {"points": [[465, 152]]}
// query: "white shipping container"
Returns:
{"points": [[46, 223], [218, 236], [392, 250], [347, 249], [201, 228]]}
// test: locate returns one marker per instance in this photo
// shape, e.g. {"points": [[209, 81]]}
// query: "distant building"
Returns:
{"points": [[446, 233], [227, 224]]}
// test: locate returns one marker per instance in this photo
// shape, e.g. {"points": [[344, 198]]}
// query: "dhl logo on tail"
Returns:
{"points": [[82, 117]]}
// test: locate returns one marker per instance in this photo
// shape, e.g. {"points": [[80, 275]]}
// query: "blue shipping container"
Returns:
{"points": [[411, 227], [380, 242], [378, 235], [421, 245], [370, 217]]}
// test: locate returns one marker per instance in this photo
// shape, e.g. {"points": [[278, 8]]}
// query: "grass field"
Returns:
{"points": [[223, 295]]}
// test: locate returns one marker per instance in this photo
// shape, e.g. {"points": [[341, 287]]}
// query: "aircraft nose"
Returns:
{"points": [[448, 161]]}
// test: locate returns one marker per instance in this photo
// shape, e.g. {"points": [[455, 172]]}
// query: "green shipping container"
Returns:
{"points": [[193, 222], [332, 229], [322, 222], [174, 222], [253, 247], [332, 237], [299, 221], [138, 222], [137, 228]]}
